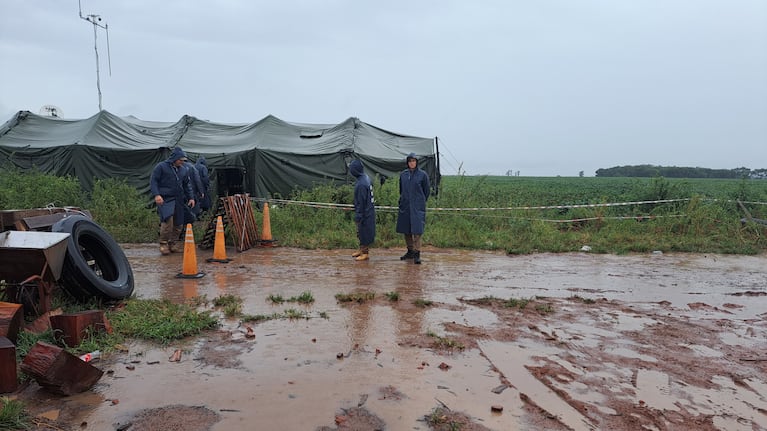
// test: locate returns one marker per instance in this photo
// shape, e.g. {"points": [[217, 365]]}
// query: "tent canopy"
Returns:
{"points": [[272, 157]]}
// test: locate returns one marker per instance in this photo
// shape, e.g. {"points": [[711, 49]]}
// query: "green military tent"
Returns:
{"points": [[268, 158]]}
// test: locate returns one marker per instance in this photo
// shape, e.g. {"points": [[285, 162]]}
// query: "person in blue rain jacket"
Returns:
{"points": [[414, 191], [364, 210], [172, 190], [204, 198]]}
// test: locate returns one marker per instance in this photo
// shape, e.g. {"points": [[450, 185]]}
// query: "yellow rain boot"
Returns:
{"points": [[363, 256], [357, 253]]}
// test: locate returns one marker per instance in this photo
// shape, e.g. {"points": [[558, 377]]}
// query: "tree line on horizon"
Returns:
{"points": [[680, 172]]}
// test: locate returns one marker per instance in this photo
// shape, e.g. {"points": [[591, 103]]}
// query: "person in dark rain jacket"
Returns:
{"points": [[204, 198], [172, 190], [414, 191], [364, 210], [192, 214]]}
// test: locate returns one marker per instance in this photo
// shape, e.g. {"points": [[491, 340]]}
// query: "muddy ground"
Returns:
{"points": [[642, 342]]}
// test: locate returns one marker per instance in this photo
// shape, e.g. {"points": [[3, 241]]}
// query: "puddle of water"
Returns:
{"points": [[726, 401], [653, 388], [448, 274], [510, 360], [290, 377], [703, 350], [628, 353]]}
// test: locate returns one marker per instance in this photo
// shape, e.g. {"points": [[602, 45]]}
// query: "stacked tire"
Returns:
{"points": [[95, 266]]}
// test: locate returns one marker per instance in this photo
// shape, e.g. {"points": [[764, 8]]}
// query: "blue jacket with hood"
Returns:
{"points": [[364, 204], [202, 169], [173, 185], [414, 191]]}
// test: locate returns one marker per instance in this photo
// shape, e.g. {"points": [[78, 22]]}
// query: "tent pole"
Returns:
{"points": [[438, 176]]}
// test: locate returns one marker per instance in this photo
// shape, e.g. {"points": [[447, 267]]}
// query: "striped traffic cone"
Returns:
{"points": [[266, 233], [219, 246], [189, 269]]}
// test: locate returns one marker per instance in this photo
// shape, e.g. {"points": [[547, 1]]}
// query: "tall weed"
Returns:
{"points": [[121, 210], [515, 214], [38, 190]]}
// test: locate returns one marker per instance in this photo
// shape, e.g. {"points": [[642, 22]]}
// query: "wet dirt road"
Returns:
{"points": [[654, 341]]}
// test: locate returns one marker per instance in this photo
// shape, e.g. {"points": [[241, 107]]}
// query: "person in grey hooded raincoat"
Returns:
{"points": [[171, 189], [364, 210], [414, 191]]}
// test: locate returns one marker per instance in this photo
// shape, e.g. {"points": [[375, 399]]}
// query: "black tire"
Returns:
{"points": [[95, 265]]}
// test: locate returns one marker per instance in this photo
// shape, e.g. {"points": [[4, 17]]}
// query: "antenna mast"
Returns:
{"points": [[96, 21]]}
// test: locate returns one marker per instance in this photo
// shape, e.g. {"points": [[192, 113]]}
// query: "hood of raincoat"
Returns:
{"points": [[355, 168], [176, 154]]}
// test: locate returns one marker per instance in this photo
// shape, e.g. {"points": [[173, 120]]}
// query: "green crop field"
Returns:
{"points": [[514, 214], [539, 191], [557, 214]]}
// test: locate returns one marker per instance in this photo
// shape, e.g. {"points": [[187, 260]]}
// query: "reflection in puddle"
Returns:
{"points": [[292, 377]]}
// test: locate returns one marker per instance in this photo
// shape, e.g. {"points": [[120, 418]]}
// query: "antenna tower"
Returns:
{"points": [[97, 22]]}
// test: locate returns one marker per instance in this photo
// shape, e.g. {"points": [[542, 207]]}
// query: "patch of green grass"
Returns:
{"points": [[123, 212], [392, 296], [516, 303], [13, 415], [441, 419], [436, 417], [159, 320], [485, 300], [303, 298], [224, 300], [96, 340], [35, 189], [544, 308], [358, 297], [197, 301], [257, 318], [422, 303], [26, 340], [292, 314], [582, 299], [444, 343], [231, 304]]}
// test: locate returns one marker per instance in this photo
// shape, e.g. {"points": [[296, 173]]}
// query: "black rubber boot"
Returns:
{"points": [[417, 257], [408, 255]]}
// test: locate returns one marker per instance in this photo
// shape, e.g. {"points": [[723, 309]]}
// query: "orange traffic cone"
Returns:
{"points": [[266, 235], [219, 246], [190, 257]]}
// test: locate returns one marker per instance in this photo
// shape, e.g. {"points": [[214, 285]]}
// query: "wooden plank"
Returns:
{"points": [[73, 328], [15, 218], [9, 379], [58, 370], [43, 322], [11, 320], [239, 211], [43, 221]]}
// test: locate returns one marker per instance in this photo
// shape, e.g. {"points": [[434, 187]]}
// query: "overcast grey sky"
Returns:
{"points": [[543, 87]]}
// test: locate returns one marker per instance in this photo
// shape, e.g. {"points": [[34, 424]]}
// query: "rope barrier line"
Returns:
{"points": [[544, 207], [384, 208], [551, 207]]}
